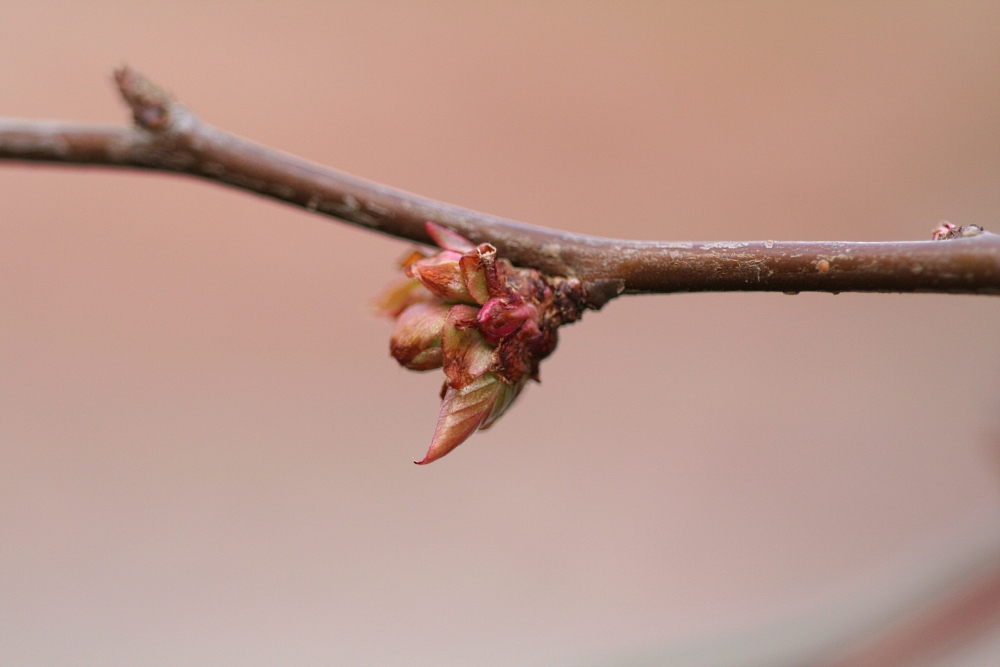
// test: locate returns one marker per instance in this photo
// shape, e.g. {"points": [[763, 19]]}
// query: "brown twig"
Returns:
{"points": [[168, 137]]}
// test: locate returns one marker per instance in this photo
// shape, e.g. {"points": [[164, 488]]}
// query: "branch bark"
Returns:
{"points": [[168, 137]]}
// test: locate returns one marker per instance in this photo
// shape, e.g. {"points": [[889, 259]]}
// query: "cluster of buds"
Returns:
{"points": [[487, 323]]}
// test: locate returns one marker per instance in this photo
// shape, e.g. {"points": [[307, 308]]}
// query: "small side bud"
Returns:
{"points": [[416, 341], [150, 103], [943, 231]]}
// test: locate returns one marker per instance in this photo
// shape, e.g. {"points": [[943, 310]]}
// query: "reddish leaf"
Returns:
{"points": [[400, 295], [463, 411], [505, 398]]}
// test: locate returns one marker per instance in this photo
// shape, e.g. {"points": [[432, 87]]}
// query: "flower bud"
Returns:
{"points": [[416, 341], [499, 318], [442, 275]]}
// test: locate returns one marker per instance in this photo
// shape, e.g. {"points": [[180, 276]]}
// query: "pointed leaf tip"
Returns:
{"points": [[463, 411], [400, 295]]}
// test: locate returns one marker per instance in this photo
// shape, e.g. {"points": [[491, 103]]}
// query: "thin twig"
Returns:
{"points": [[168, 137]]}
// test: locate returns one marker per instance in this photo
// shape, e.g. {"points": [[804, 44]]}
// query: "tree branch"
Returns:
{"points": [[168, 137]]}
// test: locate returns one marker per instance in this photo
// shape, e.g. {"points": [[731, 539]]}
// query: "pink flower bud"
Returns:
{"points": [[476, 405], [499, 318], [416, 341]]}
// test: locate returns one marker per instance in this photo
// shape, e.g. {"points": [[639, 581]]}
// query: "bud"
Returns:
{"points": [[466, 355], [416, 341], [464, 411], [498, 318], [473, 275], [486, 322], [442, 275]]}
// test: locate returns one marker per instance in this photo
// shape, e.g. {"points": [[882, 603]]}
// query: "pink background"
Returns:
{"points": [[205, 450]]}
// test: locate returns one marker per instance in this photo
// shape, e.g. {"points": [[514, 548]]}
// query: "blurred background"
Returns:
{"points": [[206, 451]]}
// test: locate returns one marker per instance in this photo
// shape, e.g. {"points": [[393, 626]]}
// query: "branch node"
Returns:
{"points": [[598, 292], [150, 104], [947, 230]]}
